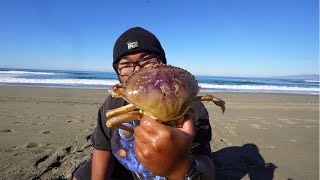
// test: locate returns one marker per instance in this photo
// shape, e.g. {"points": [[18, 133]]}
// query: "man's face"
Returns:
{"points": [[134, 62]]}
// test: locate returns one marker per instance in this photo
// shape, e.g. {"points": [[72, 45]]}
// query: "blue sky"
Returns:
{"points": [[216, 37]]}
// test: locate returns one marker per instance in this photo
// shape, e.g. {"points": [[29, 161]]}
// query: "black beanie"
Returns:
{"points": [[134, 40]]}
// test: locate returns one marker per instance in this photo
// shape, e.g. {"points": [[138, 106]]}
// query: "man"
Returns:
{"points": [[154, 151]]}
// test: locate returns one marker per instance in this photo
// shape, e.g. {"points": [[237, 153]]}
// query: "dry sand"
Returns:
{"points": [[44, 132]]}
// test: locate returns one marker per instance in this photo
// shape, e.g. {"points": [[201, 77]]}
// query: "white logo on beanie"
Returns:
{"points": [[132, 45]]}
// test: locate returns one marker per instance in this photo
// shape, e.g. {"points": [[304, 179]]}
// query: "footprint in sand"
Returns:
{"points": [[292, 140], [311, 121], [230, 132], [88, 137], [39, 124], [257, 126], [281, 125], [68, 149], [287, 121], [33, 144], [41, 160], [230, 128], [45, 132], [270, 147], [225, 141], [259, 118], [18, 122], [75, 121], [311, 126], [265, 122], [6, 130], [290, 122]]}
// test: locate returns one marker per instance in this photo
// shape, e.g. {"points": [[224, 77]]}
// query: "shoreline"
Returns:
{"points": [[44, 131], [202, 91]]}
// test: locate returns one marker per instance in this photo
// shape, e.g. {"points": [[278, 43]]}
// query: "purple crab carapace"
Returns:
{"points": [[161, 92]]}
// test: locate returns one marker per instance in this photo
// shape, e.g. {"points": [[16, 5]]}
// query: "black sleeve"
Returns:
{"points": [[201, 150], [101, 135], [99, 138], [201, 142]]}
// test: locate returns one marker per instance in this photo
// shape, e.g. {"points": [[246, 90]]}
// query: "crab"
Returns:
{"points": [[161, 92]]}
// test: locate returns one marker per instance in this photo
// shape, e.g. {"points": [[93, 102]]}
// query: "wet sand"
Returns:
{"points": [[45, 132]]}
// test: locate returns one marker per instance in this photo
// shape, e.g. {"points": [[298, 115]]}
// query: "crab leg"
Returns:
{"points": [[219, 102], [120, 110], [178, 124], [117, 121], [126, 128]]}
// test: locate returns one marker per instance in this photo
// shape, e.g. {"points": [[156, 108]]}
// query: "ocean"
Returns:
{"points": [[104, 80]]}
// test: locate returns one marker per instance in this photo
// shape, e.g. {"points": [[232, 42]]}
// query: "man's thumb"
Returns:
{"points": [[187, 126]]}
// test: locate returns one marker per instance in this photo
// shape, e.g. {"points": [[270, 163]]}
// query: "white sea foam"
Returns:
{"points": [[58, 81], [257, 87], [112, 82], [313, 81], [14, 77], [26, 72]]}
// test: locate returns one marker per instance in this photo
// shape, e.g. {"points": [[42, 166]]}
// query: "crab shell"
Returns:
{"points": [[162, 92]]}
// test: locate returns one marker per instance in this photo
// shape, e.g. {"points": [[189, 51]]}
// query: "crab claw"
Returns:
{"points": [[120, 110], [116, 91], [116, 121]]}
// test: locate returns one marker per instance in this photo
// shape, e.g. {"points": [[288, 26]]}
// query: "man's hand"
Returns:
{"points": [[164, 150]]}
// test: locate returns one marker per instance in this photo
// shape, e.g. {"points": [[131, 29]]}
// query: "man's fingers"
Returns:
{"points": [[138, 153], [150, 125], [142, 135], [139, 143]]}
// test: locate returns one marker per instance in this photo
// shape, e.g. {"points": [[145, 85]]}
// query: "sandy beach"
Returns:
{"points": [[45, 132]]}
